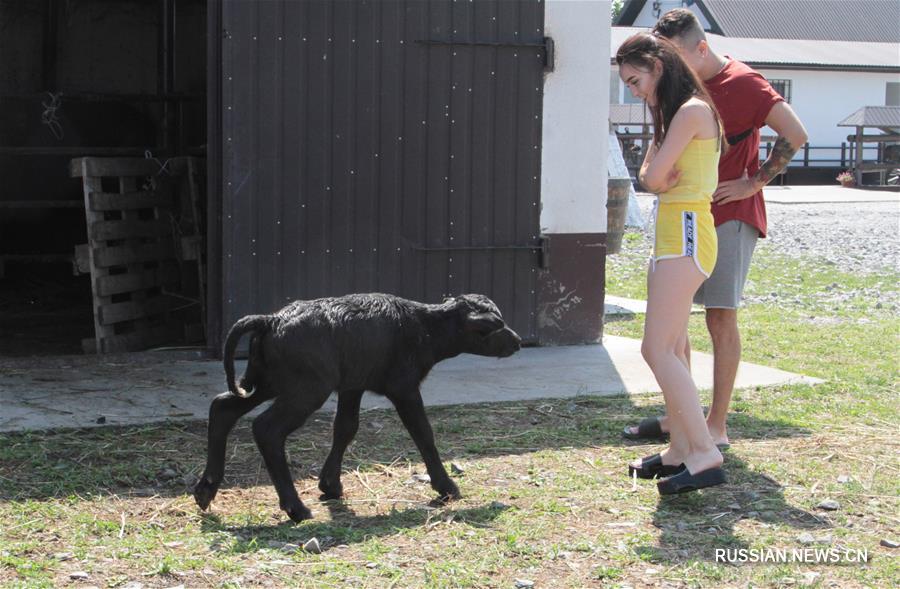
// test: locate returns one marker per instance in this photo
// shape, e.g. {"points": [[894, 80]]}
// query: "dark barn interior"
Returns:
{"points": [[80, 78]]}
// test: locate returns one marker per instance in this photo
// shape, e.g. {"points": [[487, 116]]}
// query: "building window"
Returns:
{"points": [[892, 94], [783, 87]]}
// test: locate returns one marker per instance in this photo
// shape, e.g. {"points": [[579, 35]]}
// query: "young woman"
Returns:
{"points": [[681, 166]]}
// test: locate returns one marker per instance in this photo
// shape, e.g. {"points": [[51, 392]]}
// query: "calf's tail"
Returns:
{"points": [[257, 324]]}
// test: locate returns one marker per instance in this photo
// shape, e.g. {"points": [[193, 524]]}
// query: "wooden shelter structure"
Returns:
{"points": [[631, 124], [887, 120]]}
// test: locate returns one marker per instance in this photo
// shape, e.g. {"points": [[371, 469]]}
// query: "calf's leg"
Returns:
{"points": [[271, 429], [224, 411], [346, 423], [412, 413]]}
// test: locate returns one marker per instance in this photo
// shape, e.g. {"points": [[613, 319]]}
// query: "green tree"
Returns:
{"points": [[616, 8]]}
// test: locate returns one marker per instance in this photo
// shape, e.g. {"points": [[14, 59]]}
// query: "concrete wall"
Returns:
{"points": [[573, 173], [576, 110]]}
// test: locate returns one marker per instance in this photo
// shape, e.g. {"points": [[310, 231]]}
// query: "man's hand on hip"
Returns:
{"points": [[737, 189]]}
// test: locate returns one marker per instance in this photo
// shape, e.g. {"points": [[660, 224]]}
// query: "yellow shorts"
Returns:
{"points": [[686, 230]]}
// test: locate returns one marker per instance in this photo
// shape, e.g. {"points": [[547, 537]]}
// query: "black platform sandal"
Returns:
{"points": [[648, 429], [684, 481], [652, 467]]}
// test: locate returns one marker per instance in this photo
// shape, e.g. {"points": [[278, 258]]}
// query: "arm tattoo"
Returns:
{"points": [[778, 160]]}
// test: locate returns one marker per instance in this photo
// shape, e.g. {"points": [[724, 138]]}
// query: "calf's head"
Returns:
{"points": [[485, 332]]}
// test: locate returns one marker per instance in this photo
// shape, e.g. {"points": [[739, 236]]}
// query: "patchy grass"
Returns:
{"points": [[546, 498]]}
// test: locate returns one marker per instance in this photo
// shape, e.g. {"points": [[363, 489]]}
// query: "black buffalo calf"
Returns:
{"points": [[349, 345]]}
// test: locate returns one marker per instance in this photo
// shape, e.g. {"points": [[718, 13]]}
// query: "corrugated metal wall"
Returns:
{"points": [[359, 157]]}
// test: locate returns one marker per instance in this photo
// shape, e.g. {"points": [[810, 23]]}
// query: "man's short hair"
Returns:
{"points": [[680, 23]]}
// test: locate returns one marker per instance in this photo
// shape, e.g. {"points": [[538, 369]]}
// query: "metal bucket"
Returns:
{"points": [[617, 190]]}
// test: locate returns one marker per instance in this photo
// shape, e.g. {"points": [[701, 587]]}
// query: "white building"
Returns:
{"points": [[826, 58]]}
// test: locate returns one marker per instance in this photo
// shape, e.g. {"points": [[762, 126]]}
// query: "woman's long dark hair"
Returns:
{"points": [[677, 83]]}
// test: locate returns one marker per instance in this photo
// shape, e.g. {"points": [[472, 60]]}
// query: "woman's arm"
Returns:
{"points": [[693, 119], [670, 181]]}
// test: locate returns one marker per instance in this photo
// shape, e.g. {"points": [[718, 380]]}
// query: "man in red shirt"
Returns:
{"points": [[746, 102]]}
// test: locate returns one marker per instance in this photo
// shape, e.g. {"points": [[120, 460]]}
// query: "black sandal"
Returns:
{"points": [[648, 429], [684, 481], [652, 467]]}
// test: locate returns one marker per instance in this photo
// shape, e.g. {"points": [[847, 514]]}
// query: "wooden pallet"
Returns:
{"points": [[139, 214]]}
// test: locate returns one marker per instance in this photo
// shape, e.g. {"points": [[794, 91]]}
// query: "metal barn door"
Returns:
{"points": [[388, 146]]}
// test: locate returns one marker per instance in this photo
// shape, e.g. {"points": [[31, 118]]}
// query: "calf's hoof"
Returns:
{"points": [[447, 491], [298, 512], [330, 489], [204, 492]]}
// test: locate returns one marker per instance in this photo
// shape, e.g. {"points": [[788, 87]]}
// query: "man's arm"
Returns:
{"points": [[791, 136]]}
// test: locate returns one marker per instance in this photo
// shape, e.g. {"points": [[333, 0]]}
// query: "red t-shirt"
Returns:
{"points": [[743, 98]]}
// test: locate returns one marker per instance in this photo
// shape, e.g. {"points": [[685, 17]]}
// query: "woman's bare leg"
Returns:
{"points": [[670, 290], [683, 351]]}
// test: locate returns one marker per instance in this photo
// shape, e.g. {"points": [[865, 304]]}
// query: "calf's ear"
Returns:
{"points": [[483, 322]]}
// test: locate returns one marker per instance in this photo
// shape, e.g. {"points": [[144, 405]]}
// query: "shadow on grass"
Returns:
{"points": [[741, 426], [695, 524], [166, 459], [346, 526]]}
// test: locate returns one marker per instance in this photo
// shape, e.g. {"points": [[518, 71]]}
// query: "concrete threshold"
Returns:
{"points": [[151, 387]]}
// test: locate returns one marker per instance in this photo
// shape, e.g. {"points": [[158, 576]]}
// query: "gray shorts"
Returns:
{"points": [[725, 286]]}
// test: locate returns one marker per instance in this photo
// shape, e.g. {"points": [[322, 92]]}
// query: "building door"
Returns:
{"points": [[389, 146]]}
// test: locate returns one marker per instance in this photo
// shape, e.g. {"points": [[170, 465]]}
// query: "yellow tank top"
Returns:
{"points": [[699, 165]]}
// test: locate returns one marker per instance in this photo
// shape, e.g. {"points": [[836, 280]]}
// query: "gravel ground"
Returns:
{"points": [[855, 237]]}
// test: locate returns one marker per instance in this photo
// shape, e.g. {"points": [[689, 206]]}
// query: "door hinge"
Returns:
{"points": [[546, 45]]}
